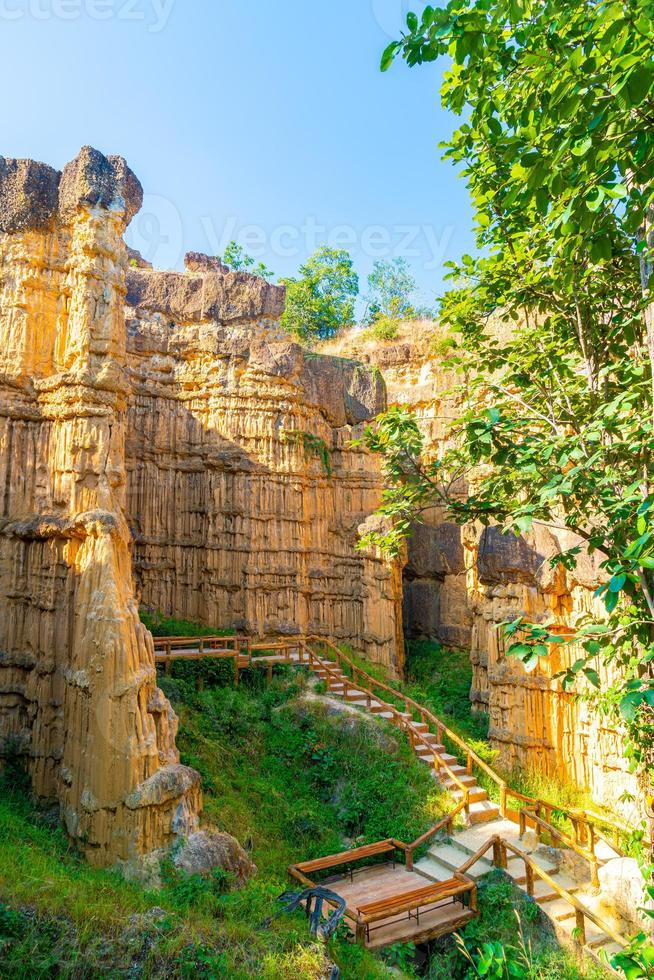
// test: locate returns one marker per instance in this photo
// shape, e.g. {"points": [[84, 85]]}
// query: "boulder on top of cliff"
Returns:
{"points": [[28, 195], [206, 850], [346, 391], [196, 296], [94, 179], [199, 262]]}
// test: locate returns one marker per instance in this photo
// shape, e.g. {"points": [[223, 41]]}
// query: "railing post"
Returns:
{"points": [[236, 677], [503, 856], [523, 822], [361, 931], [580, 927], [529, 872], [467, 799], [497, 854], [503, 799], [594, 864], [408, 856], [469, 764]]}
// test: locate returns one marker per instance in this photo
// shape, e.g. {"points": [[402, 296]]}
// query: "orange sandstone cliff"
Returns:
{"points": [[461, 584], [160, 438]]}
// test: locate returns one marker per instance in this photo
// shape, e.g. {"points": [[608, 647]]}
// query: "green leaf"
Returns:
{"points": [[389, 55], [617, 583], [412, 21]]}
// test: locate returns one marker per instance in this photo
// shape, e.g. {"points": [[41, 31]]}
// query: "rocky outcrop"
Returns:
{"points": [[161, 423], [245, 493], [461, 584], [78, 694], [207, 850]]}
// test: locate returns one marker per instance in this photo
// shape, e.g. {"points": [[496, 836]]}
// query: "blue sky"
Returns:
{"points": [[267, 121]]}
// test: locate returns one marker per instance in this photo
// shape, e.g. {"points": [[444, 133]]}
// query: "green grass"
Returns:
{"points": [[290, 780], [166, 626]]}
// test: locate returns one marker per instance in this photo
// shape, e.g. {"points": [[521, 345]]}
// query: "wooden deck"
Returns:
{"points": [[385, 882]]}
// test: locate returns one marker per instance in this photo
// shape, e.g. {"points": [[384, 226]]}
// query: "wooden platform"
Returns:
{"points": [[375, 884]]}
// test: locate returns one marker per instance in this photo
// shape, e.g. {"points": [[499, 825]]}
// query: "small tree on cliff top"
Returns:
{"points": [[557, 149], [321, 301]]}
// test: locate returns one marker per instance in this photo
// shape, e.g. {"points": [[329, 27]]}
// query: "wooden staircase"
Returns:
{"points": [[552, 892], [445, 767]]}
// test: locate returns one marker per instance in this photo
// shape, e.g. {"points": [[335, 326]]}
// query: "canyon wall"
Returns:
{"points": [[461, 584], [161, 440], [78, 694], [245, 495]]}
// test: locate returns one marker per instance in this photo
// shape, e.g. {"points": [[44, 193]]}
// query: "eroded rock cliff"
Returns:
{"points": [[245, 493], [78, 693], [159, 422], [460, 584]]}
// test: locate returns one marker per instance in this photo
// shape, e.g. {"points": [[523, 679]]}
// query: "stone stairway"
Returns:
{"points": [[448, 854], [482, 810]]}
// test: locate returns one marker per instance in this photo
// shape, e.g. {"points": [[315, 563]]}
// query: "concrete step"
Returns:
{"points": [[543, 892], [476, 795], [483, 812], [363, 703], [516, 867], [452, 857], [558, 910], [462, 777], [433, 869]]}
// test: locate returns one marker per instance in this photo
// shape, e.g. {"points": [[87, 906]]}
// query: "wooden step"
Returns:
{"points": [[463, 777]]}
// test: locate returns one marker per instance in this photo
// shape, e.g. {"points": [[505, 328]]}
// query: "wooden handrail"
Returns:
{"points": [[445, 822], [535, 806], [498, 844], [403, 723], [425, 713]]}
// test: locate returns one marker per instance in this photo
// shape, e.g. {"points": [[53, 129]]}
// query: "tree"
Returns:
{"points": [[557, 148], [237, 258], [321, 302], [391, 287]]}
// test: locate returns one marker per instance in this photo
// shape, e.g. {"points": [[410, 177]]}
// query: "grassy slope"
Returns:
{"points": [[291, 782]]}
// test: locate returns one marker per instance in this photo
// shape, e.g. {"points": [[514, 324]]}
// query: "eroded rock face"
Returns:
{"points": [[78, 694], [245, 494], [461, 584], [160, 421]]}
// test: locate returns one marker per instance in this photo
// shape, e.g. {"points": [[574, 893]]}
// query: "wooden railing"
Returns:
{"points": [[403, 720], [532, 811], [585, 832], [500, 847], [363, 917]]}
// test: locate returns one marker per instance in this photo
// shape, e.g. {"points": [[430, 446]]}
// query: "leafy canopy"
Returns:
{"points": [[236, 258], [555, 315], [320, 302]]}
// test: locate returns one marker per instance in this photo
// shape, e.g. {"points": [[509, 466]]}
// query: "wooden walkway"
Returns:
{"points": [[393, 902], [370, 887]]}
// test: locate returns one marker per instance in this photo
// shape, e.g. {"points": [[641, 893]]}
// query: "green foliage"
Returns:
{"points": [[390, 288], [314, 447], [321, 301], [236, 258], [383, 328], [288, 779], [557, 152]]}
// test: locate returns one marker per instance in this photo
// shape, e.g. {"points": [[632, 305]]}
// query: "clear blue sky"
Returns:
{"points": [[266, 121]]}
